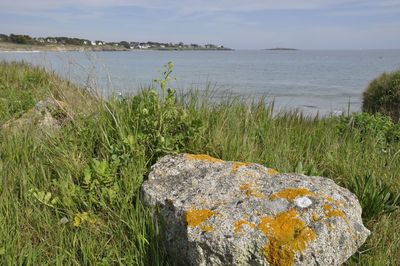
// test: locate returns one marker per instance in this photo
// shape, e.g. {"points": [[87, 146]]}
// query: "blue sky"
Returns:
{"points": [[244, 24]]}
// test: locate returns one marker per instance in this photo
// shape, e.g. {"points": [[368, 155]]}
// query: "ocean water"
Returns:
{"points": [[312, 81]]}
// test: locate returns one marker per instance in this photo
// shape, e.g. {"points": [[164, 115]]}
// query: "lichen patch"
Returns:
{"points": [[206, 228], [292, 193], [237, 227], [250, 191], [330, 199], [251, 174], [272, 171], [287, 235], [315, 217], [203, 157], [194, 218], [237, 165], [331, 212]]}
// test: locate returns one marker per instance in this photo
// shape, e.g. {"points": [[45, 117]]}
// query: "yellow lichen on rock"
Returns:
{"points": [[237, 227], [203, 157], [272, 171], [315, 217], [287, 235], [195, 217], [329, 226], [237, 165], [292, 193], [206, 228], [251, 192], [330, 212], [330, 199], [251, 174]]}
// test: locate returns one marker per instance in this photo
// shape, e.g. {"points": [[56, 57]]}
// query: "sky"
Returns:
{"points": [[239, 24]]}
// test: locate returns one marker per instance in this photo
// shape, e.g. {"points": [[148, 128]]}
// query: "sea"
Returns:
{"points": [[313, 81]]}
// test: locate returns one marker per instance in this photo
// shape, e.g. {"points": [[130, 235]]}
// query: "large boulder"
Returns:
{"points": [[215, 212]]}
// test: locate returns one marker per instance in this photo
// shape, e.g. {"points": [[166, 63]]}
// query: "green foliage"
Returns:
{"points": [[125, 44], [96, 189], [378, 126], [165, 126], [383, 95], [4, 38], [160, 123], [376, 198], [21, 39]]}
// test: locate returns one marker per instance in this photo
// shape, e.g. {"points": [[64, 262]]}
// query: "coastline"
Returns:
{"points": [[12, 48]]}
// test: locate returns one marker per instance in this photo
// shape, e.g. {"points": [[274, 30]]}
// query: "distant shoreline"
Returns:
{"points": [[11, 47]]}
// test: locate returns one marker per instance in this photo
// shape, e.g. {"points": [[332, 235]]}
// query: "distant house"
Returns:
{"points": [[51, 40], [99, 43], [92, 43], [41, 40], [144, 46]]}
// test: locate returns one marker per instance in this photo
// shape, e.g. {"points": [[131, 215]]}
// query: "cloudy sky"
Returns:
{"points": [[240, 24]]}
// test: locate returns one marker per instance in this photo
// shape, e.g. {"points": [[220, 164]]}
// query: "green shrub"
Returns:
{"points": [[378, 126], [383, 95], [162, 124]]}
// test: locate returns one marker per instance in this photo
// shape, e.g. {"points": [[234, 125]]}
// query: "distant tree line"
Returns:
{"points": [[26, 39], [14, 38]]}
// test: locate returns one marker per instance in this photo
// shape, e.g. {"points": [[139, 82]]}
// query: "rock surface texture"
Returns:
{"points": [[232, 213]]}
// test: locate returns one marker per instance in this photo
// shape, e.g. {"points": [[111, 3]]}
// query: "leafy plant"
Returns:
{"points": [[43, 197], [376, 198], [100, 183], [159, 122]]}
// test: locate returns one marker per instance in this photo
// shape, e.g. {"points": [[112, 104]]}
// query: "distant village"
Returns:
{"points": [[122, 45]]}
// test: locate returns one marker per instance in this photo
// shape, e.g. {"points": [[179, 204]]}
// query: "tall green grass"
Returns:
{"points": [[72, 197]]}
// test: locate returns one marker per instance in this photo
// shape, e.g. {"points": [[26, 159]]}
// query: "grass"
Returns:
{"points": [[71, 197]]}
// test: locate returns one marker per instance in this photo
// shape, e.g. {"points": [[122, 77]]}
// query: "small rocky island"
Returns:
{"points": [[281, 49]]}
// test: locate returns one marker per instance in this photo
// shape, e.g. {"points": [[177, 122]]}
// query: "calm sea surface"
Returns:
{"points": [[323, 81]]}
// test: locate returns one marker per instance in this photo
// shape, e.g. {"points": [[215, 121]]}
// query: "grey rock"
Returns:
{"points": [[48, 115], [229, 213]]}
